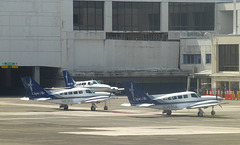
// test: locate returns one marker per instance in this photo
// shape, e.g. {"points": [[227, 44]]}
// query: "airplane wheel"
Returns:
{"points": [[213, 112], [200, 114], [93, 108], [105, 107], [65, 107], [169, 112]]}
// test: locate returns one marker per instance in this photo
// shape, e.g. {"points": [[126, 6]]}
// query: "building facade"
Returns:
{"points": [[110, 38]]}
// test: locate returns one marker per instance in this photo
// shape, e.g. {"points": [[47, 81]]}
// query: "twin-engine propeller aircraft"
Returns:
{"points": [[64, 97], [91, 84], [169, 102]]}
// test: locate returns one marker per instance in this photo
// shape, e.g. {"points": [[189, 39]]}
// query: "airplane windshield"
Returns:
{"points": [[95, 82], [198, 95]]}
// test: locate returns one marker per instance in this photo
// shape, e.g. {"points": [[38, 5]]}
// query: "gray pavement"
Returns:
{"points": [[38, 123]]}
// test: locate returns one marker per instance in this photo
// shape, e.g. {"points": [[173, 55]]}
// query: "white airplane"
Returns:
{"points": [[169, 102], [64, 97], [91, 84]]}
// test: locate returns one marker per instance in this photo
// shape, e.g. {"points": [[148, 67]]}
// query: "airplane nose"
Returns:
{"points": [[219, 98]]}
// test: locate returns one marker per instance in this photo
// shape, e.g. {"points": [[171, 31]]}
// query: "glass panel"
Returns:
{"points": [[228, 57], [136, 16], [88, 15], [191, 16]]}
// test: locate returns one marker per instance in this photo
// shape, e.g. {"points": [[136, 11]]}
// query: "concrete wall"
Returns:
{"points": [[30, 32], [195, 46], [111, 55]]}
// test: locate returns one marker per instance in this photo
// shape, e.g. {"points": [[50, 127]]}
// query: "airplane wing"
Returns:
{"points": [[204, 104], [59, 88], [95, 99]]}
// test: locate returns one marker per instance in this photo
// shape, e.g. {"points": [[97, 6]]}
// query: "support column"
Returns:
{"points": [[36, 74], [8, 78], [164, 17], [188, 83], [108, 16], [198, 85]]}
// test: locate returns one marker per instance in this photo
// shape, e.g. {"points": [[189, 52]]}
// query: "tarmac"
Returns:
{"points": [[39, 123]]}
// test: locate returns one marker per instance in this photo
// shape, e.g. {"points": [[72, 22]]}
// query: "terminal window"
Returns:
{"points": [[208, 58], [136, 16], [192, 58], [88, 15], [229, 57], [191, 16]]}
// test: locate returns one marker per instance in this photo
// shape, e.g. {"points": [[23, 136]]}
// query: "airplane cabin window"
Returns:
{"points": [[65, 93], [75, 92], [61, 93], [69, 93], [84, 84], [169, 98], [185, 96], [80, 92], [194, 95], [180, 97], [174, 97]]}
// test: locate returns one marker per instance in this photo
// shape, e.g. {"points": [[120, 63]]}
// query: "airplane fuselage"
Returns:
{"points": [[77, 96], [93, 85], [182, 100]]}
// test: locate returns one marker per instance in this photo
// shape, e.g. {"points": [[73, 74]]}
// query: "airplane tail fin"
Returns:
{"points": [[69, 82], [135, 94], [34, 90]]}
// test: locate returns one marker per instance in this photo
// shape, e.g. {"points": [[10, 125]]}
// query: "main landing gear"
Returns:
{"points": [[168, 112], [200, 112], [64, 106], [93, 107]]}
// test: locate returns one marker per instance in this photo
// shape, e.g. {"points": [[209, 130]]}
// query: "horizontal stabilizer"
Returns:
{"points": [[126, 104], [138, 105], [42, 99], [144, 105], [25, 98]]}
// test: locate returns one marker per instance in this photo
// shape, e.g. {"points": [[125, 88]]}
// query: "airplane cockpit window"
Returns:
{"points": [[88, 91], [194, 95], [61, 93]]}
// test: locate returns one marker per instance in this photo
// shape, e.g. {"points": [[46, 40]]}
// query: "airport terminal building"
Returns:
{"points": [[155, 39]]}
